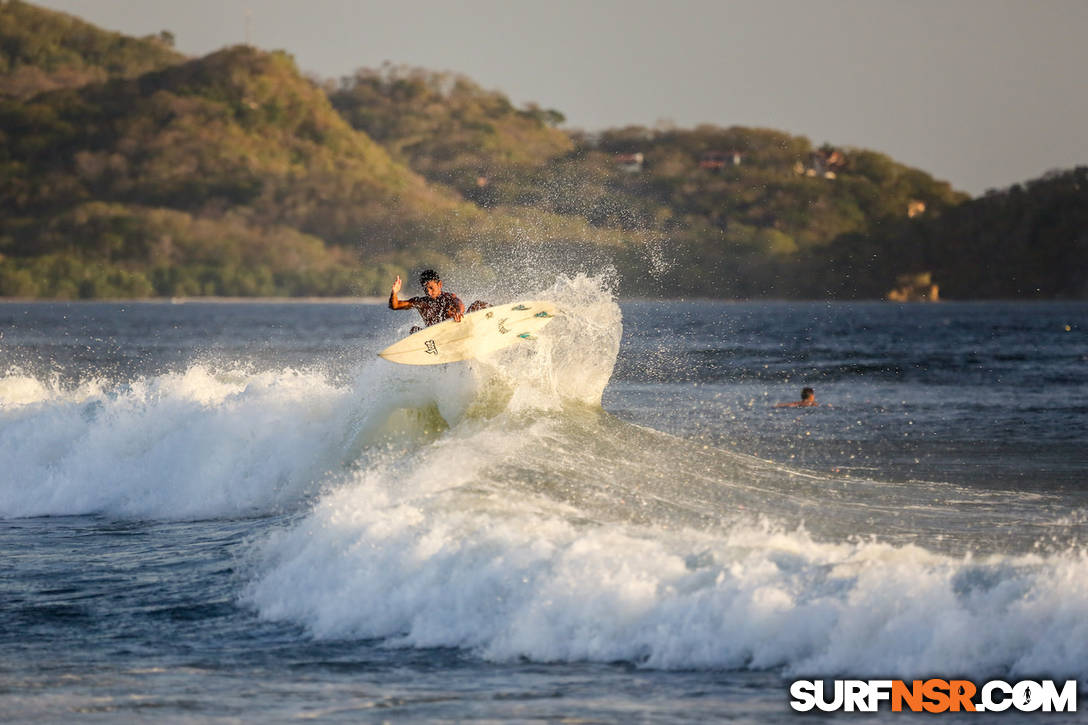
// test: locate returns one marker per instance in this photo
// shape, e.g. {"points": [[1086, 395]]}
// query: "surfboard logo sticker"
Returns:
{"points": [[520, 308], [489, 315], [502, 326], [431, 348], [526, 336], [543, 314]]}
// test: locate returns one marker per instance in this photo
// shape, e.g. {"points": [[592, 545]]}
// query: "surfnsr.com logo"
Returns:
{"points": [[933, 695]]}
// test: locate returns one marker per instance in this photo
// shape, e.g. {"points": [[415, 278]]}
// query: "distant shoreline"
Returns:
{"points": [[207, 300]]}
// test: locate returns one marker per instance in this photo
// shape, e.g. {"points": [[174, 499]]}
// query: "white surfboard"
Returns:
{"points": [[478, 333]]}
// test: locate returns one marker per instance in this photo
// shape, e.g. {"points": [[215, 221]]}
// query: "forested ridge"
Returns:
{"points": [[129, 170]]}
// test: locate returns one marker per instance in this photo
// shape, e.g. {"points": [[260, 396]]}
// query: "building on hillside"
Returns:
{"points": [[916, 208], [718, 160], [631, 163], [915, 288]]}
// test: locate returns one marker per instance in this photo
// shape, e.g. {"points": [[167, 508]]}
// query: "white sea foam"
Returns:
{"points": [[439, 558], [193, 444], [574, 356], [17, 389]]}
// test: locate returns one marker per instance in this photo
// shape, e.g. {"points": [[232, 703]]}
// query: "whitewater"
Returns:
{"points": [[619, 501]]}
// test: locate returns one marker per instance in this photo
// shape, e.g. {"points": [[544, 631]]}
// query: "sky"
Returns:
{"points": [[980, 93]]}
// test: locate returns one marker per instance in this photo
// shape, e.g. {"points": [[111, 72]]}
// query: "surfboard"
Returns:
{"points": [[478, 333]]}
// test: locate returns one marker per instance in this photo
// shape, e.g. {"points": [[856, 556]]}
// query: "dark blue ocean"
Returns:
{"points": [[217, 512]]}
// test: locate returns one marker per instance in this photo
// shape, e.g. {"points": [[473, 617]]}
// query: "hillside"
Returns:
{"points": [[740, 204], [167, 182], [238, 129], [1029, 241], [449, 129], [129, 170], [42, 50], [453, 132], [236, 140]]}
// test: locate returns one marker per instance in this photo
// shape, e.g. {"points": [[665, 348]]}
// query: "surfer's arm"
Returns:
{"points": [[456, 308], [394, 303]]}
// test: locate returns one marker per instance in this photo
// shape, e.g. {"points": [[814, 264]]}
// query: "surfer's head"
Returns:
{"points": [[430, 282]]}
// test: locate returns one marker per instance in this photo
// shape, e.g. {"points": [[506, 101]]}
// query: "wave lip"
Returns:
{"points": [[572, 359]]}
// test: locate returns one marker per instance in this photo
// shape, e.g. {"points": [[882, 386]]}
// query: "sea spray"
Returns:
{"points": [[181, 445], [572, 358], [224, 439]]}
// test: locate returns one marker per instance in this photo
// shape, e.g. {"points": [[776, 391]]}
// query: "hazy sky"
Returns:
{"points": [[982, 93]]}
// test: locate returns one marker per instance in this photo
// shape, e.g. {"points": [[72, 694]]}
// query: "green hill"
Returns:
{"points": [[239, 129], [449, 129], [43, 50], [732, 212], [164, 183], [237, 141], [737, 203], [129, 170], [1029, 241]]}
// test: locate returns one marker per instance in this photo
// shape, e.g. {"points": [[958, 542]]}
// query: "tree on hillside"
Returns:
{"points": [[43, 50], [449, 129]]}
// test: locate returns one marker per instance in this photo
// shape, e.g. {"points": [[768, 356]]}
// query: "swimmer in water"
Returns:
{"points": [[808, 400]]}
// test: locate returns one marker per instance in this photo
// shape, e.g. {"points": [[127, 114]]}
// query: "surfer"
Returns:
{"points": [[808, 399], [436, 305]]}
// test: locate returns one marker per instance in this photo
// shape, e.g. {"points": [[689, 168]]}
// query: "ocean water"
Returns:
{"points": [[237, 512]]}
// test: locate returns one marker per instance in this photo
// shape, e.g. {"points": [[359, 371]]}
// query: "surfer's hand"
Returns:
{"points": [[396, 285], [457, 314]]}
